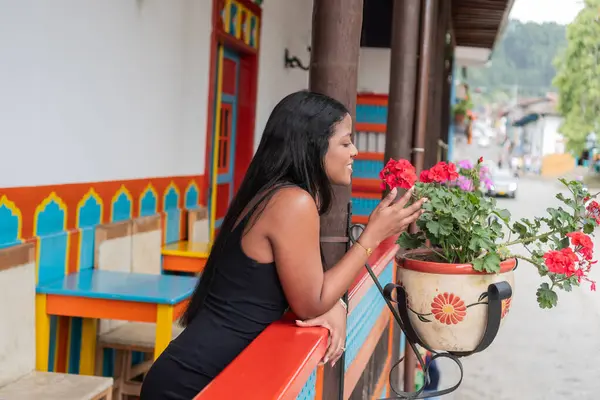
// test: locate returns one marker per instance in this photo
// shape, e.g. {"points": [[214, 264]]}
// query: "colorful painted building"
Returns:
{"points": [[116, 110]]}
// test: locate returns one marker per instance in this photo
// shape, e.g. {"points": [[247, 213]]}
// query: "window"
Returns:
{"points": [[224, 139]]}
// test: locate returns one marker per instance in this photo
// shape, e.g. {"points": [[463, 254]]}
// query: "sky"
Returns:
{"points": [[560, 11]]}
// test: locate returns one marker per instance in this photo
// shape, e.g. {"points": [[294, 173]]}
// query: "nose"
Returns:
{"points": [[353, 151]]}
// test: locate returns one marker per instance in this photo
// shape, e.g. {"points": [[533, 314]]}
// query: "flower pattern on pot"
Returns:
{"points": [[448, 308], [505, 306]]}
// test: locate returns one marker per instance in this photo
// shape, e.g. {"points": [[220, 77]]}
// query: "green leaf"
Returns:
{"points": [[546, 297], [433, 227], [503, 214], [488, 263], [588, 228], [409, 242]]}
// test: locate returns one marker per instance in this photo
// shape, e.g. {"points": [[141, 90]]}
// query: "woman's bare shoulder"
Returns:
{"points": [[292, 203]]}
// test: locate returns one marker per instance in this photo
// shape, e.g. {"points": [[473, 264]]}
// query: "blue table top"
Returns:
{"points": [[125, 286]]}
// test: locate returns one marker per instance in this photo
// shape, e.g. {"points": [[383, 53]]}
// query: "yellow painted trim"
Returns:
{"points": [[122, 190], [42, 334], [183, 253], [238, 21], [164, 330], [227, 17], [249, 16], [87, 356], [213, 195], [42, 207], [150, 188], [68, 355], [4, 201]]}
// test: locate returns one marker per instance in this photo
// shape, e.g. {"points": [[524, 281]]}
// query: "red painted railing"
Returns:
{"points": [[280, 361]]}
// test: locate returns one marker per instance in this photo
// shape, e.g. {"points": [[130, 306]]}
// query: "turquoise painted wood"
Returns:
{"points": [[366, 113], [124, 286]]}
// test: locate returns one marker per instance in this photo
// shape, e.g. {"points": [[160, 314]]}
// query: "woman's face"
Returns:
{"points": [[340, 154]]}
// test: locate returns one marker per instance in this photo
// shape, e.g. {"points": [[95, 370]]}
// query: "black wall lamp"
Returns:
{"points": [[294, 62]]}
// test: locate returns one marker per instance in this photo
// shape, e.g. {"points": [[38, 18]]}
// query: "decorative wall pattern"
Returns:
{"points": [[240, 21], [62, 219]]}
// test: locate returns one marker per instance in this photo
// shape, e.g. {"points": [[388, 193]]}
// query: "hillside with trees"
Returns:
{"points": [[522, 61], [578, 77]]}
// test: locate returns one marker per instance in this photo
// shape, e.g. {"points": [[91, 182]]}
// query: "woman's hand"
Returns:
{"points": [[389, 219], [334, 321]]}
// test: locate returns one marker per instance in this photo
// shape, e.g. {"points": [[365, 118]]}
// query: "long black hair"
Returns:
{"points": [[291, 152]]}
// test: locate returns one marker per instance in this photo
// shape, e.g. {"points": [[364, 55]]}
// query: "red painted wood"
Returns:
{"points": [[244, 146], [229, 76], [222, 199], [276, 365]]}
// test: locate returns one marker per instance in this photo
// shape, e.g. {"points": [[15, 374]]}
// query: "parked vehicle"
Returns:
{"points": [[504, 183]]}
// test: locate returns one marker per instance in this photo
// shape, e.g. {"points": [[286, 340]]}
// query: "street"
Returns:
{"points": [[538, 354]]}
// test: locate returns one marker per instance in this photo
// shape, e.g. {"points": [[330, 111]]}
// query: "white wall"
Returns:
{"points": [[374, 70], [285, 23], [102, 90]]}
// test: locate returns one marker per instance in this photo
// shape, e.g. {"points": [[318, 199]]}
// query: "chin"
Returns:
{"points": [[342, 182]]}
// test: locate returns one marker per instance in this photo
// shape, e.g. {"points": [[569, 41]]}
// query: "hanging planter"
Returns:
{"points": [[456, 274], [447, 303]]}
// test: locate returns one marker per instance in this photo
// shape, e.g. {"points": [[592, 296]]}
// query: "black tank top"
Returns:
{"points": [[244, 297]]}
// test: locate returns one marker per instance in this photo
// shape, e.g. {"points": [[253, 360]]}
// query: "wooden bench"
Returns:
{"points": [[18, 380], [129, 246], [185, 256], [190, 256]]}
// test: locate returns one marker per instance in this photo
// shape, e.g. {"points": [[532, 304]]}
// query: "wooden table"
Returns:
{"points": [[95, 294], [185, 256]]}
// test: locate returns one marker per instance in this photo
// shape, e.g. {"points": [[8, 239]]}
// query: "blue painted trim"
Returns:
{"points": [[367, 113], [218, 223], [123, 286]]}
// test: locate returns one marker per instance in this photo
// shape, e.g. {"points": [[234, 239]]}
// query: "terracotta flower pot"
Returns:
{"points": [[459, 118], [447, 304]]}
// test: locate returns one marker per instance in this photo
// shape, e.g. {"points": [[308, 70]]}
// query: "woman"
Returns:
{"points": [[267, 256]]}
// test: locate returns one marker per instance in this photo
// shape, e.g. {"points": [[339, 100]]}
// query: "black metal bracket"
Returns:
{"points": [[294, 62], [495, 294]]}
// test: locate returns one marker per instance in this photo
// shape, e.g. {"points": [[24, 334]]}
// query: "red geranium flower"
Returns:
{"points": [[424, 177], [399, 173], [443, 172], [561, 261], [582, 243]]}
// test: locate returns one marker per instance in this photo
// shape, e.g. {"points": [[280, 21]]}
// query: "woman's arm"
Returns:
{"points": [[293, 231]]}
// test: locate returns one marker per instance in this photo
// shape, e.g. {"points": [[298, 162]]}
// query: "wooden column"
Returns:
{"points": [[418, 143], [404, 65], [336, 30]]}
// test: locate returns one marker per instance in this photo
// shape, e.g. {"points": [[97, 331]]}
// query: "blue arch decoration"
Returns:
{"points": [[148, 203], [192, 196], [121, 207], [51, 216], [171, 199], [10, 223], [90, 212]]}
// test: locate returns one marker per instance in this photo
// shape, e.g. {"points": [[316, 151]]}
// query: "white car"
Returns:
{"points": [[504, 183]]}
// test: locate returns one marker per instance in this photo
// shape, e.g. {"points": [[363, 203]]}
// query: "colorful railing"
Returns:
{"points": [[283, 362]]}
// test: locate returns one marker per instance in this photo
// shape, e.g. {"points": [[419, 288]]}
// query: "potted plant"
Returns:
{"points": [[462, 109], [446, 267]]}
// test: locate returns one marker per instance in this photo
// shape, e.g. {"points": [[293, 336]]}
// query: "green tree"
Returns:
{"points": [[578, 77], [521, 60]]}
